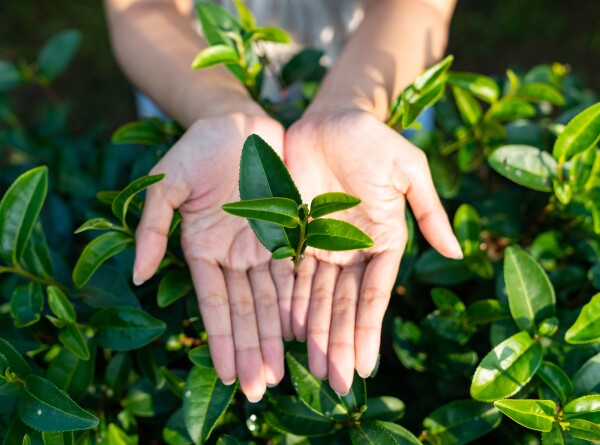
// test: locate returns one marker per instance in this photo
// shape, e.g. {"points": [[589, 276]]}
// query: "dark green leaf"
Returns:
{"points": [[72, 338], [174, 383], [468, 107], [175, 285], [44, 407], [332, 234], [487, 311], [548, 327], [478, 85], [434, 74], [120, 204], [582, 168], [530, 293], [541, 92], [586, 328], [289, 415], [375, 432], [205, 400], [554, 436], [200, 356], [227, 440], [587, 378], [263, 175], [58, 438], [462, 421], [57, 53], [556, 379], [71, 374], [117, 371], [303, 66], [216, 21], [140, 132], [467, 228], [60, 305], [586, 408], [37, 258], [581, 132], [19, 210], [314, 393], [583, 429], [97, 252], [536, 415], [271, 34], [506, 368], [281, 211], [328, 203], [175, 432], [215, 55], [26, 304], [445, 299], [510, 108], [16, 362], [283, 253], [356, 398], [10, 76], [433, 268], [107, 288], [126, 328], [525, 165], [384, 408]]}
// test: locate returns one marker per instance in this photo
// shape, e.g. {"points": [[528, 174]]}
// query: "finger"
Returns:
{"points": [[319, 317], [283, 276], [301, 296], [429, 212], [343, 318], [152, 233], [376, 289], [214, 307], [269, 326], [248, 358]]}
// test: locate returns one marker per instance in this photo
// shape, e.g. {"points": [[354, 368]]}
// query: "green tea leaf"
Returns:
{"points": [[118, 370], [37, 258], [227, 440], [478, 85], [467, 228], [556, 379], [10, 76], [71, 374], [120, 204], [583, 429], [356, 398], [44, 407], [215, 55], [314, 393], [246, 18], [554, 436], [374, 432], [19, 211], [140, 132], [468, 107], [433, 268], [434, 74], [205, 400], [582, 168], [541, 92], [525, 165], [60, 305], [509, 109], [26, 304], [200, 356], [174, 383], [289, 415], [57, 53], [586, 379], [536, 415], [97, 252], [72, 338], [462, 421], [283, 253], [445, 299], [60, 438], [413, 103], [263, 175], [548, 327], [332, 234], [303, 66], [507, 368], [16, 362], [282, 211], [216, 22], [327, 203], [26, 440], [530, 293], [586, 408], [175, 432], [271, 34], [126, 328], [487, 311], [384, 408], [175, 285], [586, 328], [581, 132]]}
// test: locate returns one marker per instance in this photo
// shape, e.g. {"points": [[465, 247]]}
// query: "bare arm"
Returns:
{"points": [[155, 43], [395, 42]]}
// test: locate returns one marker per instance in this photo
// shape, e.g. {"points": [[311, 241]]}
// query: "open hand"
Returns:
{"points": [[340, 298]]}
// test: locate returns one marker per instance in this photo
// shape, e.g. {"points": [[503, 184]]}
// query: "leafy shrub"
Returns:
{"points": [[512, 330]]}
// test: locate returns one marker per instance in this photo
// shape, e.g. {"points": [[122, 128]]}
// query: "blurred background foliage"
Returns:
{"points": [[487, 36]]}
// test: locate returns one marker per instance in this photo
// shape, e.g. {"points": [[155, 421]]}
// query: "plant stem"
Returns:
{"points": [[298, 256], [26, 274]]}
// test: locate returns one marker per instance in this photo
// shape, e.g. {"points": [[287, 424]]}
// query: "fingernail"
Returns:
{"points": [[364, 376], [342, 394], [254, 399], [272, 385], [136, 280], [458, 253], [228, 382]]}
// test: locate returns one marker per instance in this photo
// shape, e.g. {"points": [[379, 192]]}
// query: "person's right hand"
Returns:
{"points": [[236, 282]]}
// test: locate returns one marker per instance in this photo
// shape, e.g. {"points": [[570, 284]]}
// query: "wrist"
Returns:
{"points": [[225, 105], [325, 105]]}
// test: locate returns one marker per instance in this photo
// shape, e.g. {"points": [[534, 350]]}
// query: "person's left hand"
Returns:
{"points": [[340, 298]]}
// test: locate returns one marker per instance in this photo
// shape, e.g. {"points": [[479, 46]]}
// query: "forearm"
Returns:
{"points": [[155, 45], [395, 42]]}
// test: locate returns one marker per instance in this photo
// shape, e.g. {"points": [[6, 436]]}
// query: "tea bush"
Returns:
{"points": [[513, 330]]}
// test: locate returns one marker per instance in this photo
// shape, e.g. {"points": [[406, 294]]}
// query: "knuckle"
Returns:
{"points": [[373, 295], [266, 301], [321, 294], [243, 307], [213, 301], [344, 304]]}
